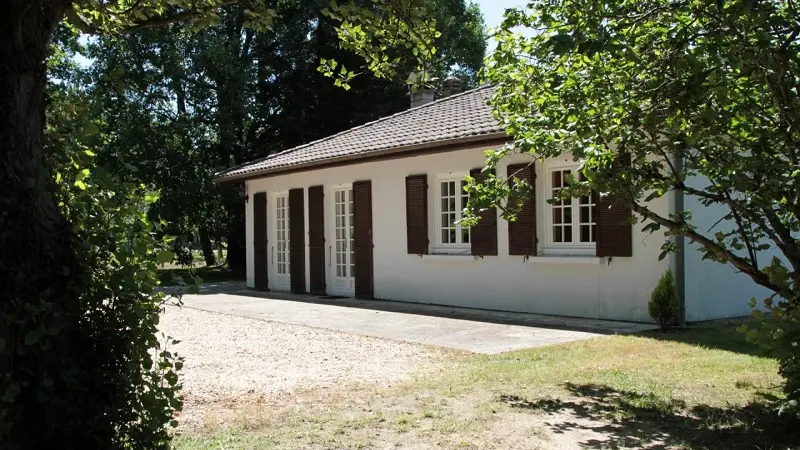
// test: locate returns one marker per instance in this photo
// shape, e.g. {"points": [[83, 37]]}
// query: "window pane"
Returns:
{"points": [[557, 234], [452, 204], [452, 235], [445, 235], [465, 236], [594, 233], [556, 181], [567, 214], [452, 220], [586, 233], [556, 215], [585, 218], [444, 189], [567, 233]]}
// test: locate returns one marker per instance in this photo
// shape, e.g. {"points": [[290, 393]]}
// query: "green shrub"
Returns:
{"points": [[94, 374], [776, 329], [663, 305]]}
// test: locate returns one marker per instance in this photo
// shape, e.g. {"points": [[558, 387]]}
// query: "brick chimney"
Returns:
{"points": [[451, 86], [421, 95]]}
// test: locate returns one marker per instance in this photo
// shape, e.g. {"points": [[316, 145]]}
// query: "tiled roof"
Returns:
{"points": [[459, 116]]}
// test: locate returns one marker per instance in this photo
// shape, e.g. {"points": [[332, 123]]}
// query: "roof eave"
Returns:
{"points": [[355, 158]]}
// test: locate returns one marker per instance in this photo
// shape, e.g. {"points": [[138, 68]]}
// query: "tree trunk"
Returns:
{"points": [[43, 347], [207, 248]]}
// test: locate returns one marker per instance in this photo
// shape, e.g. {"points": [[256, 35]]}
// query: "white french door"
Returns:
{"points": [[343, 253], [280, 248]]}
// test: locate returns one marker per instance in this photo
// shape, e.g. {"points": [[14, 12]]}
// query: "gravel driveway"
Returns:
{"points": [[233, 361]]}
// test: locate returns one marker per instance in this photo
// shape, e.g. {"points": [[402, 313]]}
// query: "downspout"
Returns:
{"points": [[680, 243]]}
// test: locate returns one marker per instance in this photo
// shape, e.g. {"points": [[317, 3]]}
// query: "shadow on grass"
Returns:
{"points": [[718, 335], [209, 274], [622, 419]]}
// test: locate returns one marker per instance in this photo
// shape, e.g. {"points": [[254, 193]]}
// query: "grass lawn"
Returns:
{"points": [[209, 274], [698, 388]]}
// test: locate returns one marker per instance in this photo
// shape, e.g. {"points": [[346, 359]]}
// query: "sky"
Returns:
{"points": [[493, 9], [493, 13]]}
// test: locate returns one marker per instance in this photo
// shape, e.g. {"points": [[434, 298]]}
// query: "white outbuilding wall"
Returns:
{"points": [[715, 290], [590, 287]]}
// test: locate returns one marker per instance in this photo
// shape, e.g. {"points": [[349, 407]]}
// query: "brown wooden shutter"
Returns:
{"points": [[417, 214], [260, 240], [297, 241], [522, 232], [362, 245], [614, 227], [483, 236], [316, 239]]}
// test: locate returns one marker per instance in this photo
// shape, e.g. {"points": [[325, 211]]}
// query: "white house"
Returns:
{"points": [[372, 213]]}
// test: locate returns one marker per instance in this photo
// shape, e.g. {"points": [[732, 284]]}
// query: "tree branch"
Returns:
{"points": [[740, 223], [718, 251], [156, 22]]}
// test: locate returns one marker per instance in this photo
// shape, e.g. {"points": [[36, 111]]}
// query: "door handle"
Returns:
{"points": [[330, 248], [273, 255]]}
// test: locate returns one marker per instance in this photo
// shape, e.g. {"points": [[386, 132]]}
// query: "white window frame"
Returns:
{"points": [[575, 248], [459, 248], [280, 280], [335, 284]]}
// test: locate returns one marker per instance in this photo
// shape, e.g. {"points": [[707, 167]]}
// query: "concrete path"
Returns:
{"points": [[458, 328]]}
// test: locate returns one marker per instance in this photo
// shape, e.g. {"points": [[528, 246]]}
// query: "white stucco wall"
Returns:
{"points": [[592, 287], [715, 290]]}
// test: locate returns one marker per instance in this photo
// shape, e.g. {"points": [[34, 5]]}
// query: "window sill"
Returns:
{"points": [[449, 257], [565, 259]]}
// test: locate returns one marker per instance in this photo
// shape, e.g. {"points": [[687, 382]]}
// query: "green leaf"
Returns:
{"points": [[91, 129], [165, 256], [11, 393], [193, 289], [80, 185], [32, 337]]}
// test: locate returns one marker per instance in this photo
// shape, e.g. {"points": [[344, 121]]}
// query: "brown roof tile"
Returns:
{"points": [[459, 116]]}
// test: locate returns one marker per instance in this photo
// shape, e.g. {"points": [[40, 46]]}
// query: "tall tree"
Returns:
{"points": [[49, 353], [225, 95], [702, 96]]}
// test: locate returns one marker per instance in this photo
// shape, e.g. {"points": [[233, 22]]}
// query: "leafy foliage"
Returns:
{"points": [[78, 315], [702, 95], [98, 373], [663, 304], [187, 104], [121, 253]]}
